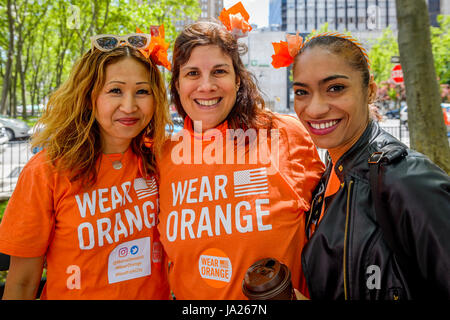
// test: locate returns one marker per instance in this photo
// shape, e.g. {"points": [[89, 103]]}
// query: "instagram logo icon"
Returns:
{"points": [[123, 252]]}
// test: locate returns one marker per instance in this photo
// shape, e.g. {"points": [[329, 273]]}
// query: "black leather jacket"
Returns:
{"points": [[347, 256]]}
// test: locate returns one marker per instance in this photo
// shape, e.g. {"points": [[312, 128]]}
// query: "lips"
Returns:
{"points": [[323, 126], [128, 121], [207, 103]]}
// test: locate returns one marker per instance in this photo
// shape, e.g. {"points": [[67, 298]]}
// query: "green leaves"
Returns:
{"points": [[386, 46], [54, 34]]}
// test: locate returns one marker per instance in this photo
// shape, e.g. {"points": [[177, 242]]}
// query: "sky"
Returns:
{"points": [[257, 9]]}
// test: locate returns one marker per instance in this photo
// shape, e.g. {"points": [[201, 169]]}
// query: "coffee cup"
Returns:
{"points": [[268, 279]]}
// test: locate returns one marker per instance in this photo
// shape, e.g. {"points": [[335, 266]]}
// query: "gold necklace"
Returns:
{"points": [[117, 164]]}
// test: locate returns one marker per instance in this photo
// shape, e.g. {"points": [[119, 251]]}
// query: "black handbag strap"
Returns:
{"points": [[381, 210], [408, 268]]}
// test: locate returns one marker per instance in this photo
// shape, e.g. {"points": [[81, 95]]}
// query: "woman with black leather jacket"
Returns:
{"points": [[379, 222]]}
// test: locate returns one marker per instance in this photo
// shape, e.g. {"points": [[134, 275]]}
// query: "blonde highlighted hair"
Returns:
{"points": [[71, 136]]}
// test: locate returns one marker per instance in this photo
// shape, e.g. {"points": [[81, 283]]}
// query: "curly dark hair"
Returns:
{"points": [[248, 110]]}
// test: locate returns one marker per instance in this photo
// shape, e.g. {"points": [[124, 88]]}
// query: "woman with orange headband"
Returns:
{"points": [[87, 204], [238, 179], [380, 215]]}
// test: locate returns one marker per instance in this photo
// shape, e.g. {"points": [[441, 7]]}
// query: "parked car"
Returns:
{"points": [[15, 128], [3, 137], [404, 115], [393, 114], [177, 122]]}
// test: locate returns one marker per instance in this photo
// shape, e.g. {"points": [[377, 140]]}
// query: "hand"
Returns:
{"points": [[299, 295]]}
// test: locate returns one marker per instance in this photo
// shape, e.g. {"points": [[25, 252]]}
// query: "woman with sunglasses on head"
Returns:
{"points": [[87, 204], [223, 209], [380, 215]]}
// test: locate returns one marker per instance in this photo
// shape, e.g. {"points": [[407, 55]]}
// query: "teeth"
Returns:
{"points": [[323, 125], [207, 102]]}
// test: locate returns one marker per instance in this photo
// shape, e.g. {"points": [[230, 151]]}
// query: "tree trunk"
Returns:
{"points": [[13, 105], [19, 69], [425, 118], [9, 61]]}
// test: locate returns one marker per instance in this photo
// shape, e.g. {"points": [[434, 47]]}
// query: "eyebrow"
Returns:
{"points": [[221, 65], [121, 82], [327, 79]]}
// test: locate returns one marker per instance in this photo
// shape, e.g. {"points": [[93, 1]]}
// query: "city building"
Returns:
{"points": [[445, 7], [436, 7], [352, 15], [272, 82], [275, 20], [210, 9]]}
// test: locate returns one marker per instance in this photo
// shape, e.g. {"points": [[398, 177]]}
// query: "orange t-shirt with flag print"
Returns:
{"points": [[224, 206], [99, 243]]}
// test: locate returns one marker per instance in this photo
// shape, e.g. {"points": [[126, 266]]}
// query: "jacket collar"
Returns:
{"points": [[354, 156]]}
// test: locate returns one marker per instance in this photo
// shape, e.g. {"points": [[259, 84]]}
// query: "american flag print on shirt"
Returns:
{"points": [[145, 188], [250, 182]]}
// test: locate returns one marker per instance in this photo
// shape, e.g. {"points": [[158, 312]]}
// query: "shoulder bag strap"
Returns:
{"points": [[409, 269], [381, 209]]}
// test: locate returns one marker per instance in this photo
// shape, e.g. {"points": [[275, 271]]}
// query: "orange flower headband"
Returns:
{"points": [[157, 49], [285, 51], [235, 19]]}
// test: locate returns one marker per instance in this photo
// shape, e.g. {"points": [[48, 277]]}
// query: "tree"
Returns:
{"points": [[383, 48], [41, 39], [440, 44], [426, 123], [9, 61]]}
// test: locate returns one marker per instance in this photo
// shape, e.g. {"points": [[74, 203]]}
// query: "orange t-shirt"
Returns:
{"points": [[100, 243], [333, 183], [220, 214]]}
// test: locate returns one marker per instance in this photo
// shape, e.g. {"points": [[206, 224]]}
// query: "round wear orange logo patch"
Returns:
{"points": [[215, 267]]}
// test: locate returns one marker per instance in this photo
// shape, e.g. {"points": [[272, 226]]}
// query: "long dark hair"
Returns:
{"points": [[248, 111]]}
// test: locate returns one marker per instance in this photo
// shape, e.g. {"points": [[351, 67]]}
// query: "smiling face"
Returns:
{"points": [[125, 104], [330, 98], [207, 86]]}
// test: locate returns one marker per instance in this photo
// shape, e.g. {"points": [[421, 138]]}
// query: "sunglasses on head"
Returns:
{"points": [[108, 42]]}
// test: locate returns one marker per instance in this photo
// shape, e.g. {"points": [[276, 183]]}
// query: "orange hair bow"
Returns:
{"points": [[285, 51], [235, 19], [157, 49]]}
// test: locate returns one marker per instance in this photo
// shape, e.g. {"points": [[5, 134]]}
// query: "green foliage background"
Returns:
{"points": [[386, 46], [49, 36]]}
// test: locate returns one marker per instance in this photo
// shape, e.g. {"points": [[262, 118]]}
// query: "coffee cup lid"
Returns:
{"points": [[264, 275]]}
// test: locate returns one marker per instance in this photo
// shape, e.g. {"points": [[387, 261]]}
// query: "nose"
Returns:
{"points": [[128, 103], [317, 108], [206, 84]]}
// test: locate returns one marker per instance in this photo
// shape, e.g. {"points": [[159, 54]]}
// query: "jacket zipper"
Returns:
{"points": [[347, 220], [309, 219]]}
